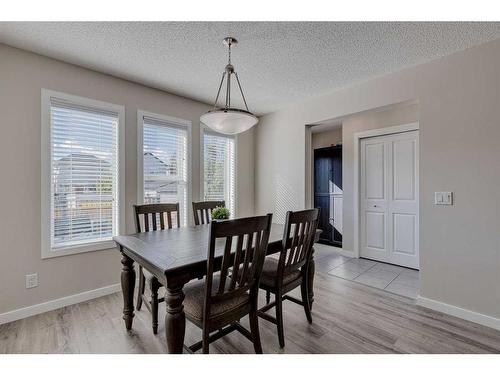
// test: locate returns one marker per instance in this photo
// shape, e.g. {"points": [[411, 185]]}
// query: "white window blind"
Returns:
{"points": [[165, 164], [219, 169], [84, 174]]}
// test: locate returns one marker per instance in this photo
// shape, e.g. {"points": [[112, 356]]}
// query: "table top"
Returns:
{"points": [[178, 249]]}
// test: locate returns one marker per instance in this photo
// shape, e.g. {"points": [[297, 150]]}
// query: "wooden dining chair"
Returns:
{"points": [[280, 276], [202, 211], [153, 218], [218, 302]]}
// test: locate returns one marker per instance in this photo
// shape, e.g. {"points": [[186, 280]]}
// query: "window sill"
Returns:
{"points": [[77, 249]]}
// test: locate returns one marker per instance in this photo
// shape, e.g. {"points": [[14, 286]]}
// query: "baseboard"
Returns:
{"points": [[459, 312], [28, 311]]}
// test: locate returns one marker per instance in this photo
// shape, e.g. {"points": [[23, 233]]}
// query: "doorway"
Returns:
{"points": [[388, 198], [328, 194]]}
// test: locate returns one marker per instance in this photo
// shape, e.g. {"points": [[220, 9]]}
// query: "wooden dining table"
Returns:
{"points": [[176, 256]]}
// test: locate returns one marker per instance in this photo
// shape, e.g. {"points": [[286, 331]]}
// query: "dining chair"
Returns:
{"points": [[218, 302], [153, 218], [202, 211], [280, 276]]}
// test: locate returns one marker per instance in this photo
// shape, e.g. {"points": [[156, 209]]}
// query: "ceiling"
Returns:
{"points": [[279, 63]]}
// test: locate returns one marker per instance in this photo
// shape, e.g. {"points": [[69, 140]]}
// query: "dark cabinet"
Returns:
{"points": [[328, 194]]}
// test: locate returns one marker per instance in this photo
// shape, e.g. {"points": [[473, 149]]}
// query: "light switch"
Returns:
{"points": [[31, 280], [438, 198], [448, 197], [443, 198]]}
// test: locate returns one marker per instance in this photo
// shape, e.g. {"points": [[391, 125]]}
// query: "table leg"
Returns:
{"points": [[128, 285], [175, 320], [310, 275]]}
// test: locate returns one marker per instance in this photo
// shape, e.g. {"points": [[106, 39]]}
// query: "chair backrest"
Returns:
{"points": [[298, 240], [157, 212], [245, 245], [202, 211]]}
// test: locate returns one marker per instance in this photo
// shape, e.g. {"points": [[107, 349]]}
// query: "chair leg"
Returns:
{"points": [[304, 291], [140, 290], [279, 318], [268, 297], [154, 304], [254, 328], [206, 343]]}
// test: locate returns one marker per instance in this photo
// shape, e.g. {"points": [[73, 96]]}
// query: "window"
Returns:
{"points": [[163, 161], [80, 174], [218, 163]]}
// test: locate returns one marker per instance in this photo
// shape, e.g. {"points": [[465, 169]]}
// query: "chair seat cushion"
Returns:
{"points": [[195, 298], [270, 270]]}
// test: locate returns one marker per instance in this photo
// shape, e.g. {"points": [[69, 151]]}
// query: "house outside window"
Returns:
{"points": [[218, 152], [163, 161], [81, 174]]}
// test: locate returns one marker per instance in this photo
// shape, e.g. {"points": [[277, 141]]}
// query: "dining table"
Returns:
{"points": [[175, 257]]}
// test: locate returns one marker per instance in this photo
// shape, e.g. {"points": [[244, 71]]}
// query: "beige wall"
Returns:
{"points": [[22, 76], [326, 138], [459, 114]]}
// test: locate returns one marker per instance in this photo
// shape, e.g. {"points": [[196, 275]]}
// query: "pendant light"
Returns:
{"points": [[228, 120]]}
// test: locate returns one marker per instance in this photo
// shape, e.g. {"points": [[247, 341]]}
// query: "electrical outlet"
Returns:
{"points": [[31, 281]]}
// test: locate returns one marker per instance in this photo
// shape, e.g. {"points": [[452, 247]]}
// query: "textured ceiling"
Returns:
{"points": [[279, 63]]}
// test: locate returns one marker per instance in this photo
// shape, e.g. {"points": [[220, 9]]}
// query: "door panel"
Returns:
{"points": [[389, 199], [404, 169], [375, 230], [404, 233], [374, 203], [374, 171]]}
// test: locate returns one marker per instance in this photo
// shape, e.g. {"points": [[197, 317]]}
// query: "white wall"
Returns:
{"points": [[22, 76], [459, 105]]}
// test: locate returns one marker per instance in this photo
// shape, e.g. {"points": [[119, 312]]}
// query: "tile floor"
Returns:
{"points": [[395, 279]]}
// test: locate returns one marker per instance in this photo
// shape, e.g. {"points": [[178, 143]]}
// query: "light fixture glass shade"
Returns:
{"points": [[229, 121]]}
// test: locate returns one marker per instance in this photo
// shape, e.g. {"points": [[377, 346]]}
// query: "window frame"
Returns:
{"points": [[46, 174], [205, 129], [140, 155]]}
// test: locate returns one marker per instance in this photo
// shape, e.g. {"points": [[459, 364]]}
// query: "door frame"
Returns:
{"points": [[357, 168]]}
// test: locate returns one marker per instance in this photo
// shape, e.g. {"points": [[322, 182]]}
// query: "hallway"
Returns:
{"points": [[394, 279]]}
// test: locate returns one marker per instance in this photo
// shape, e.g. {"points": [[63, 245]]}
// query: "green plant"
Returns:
{"points": [[220, 213]]}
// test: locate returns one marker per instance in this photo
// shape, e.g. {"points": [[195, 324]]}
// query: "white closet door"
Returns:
{"points": [[389, 199]]}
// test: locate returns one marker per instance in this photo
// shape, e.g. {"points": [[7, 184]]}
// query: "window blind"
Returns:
{"points": [[165, 164], [219, 168], [84, 174]]}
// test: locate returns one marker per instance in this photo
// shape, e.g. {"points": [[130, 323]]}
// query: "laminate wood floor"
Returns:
{"points": [[348, 317]]}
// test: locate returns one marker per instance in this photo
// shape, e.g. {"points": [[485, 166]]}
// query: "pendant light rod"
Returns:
{"points": [[228, 89], [229, 43], [218, 92], [242, 95], [228, 71]]}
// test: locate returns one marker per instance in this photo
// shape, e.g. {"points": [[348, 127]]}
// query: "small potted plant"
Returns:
{"points": [[220, 213]]}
